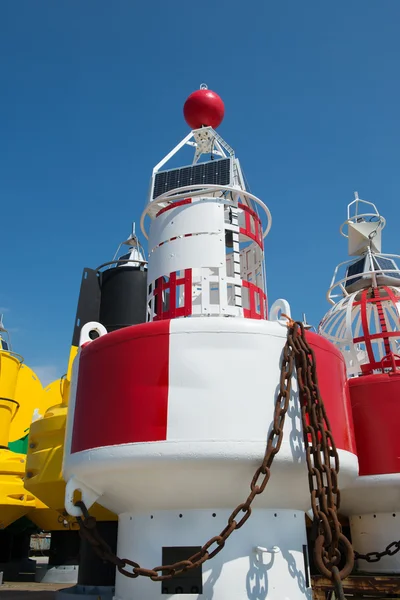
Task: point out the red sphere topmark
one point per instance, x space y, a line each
203 108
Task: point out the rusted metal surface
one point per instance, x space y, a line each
360 586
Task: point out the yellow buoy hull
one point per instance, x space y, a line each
49 519
21 393
15 500
46 448
29 395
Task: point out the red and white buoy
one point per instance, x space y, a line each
364 322
168 420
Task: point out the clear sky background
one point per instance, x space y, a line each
91 99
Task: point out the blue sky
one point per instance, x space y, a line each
91 99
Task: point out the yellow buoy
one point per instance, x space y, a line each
46 447
15 501
31 400
21 399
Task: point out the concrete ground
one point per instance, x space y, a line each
30 591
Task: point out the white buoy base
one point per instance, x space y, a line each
372 533
266 558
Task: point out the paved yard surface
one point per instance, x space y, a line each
29 591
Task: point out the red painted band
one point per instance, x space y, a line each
122 394
392 296
250 214
167 284
250 211
332 380
376 415
174 205
251 312
377 336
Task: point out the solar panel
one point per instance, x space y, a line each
355 269
386 263
217 172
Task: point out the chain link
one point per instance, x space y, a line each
323 468
373 557
337 584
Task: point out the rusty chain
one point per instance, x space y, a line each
314 418
322 475
337 584
372 557
322 462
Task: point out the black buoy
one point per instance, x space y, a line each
115 295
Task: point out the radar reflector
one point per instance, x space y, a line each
363 235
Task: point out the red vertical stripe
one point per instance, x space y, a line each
251 312
188 292
172 296
331 373
122 394
364 321
252 301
